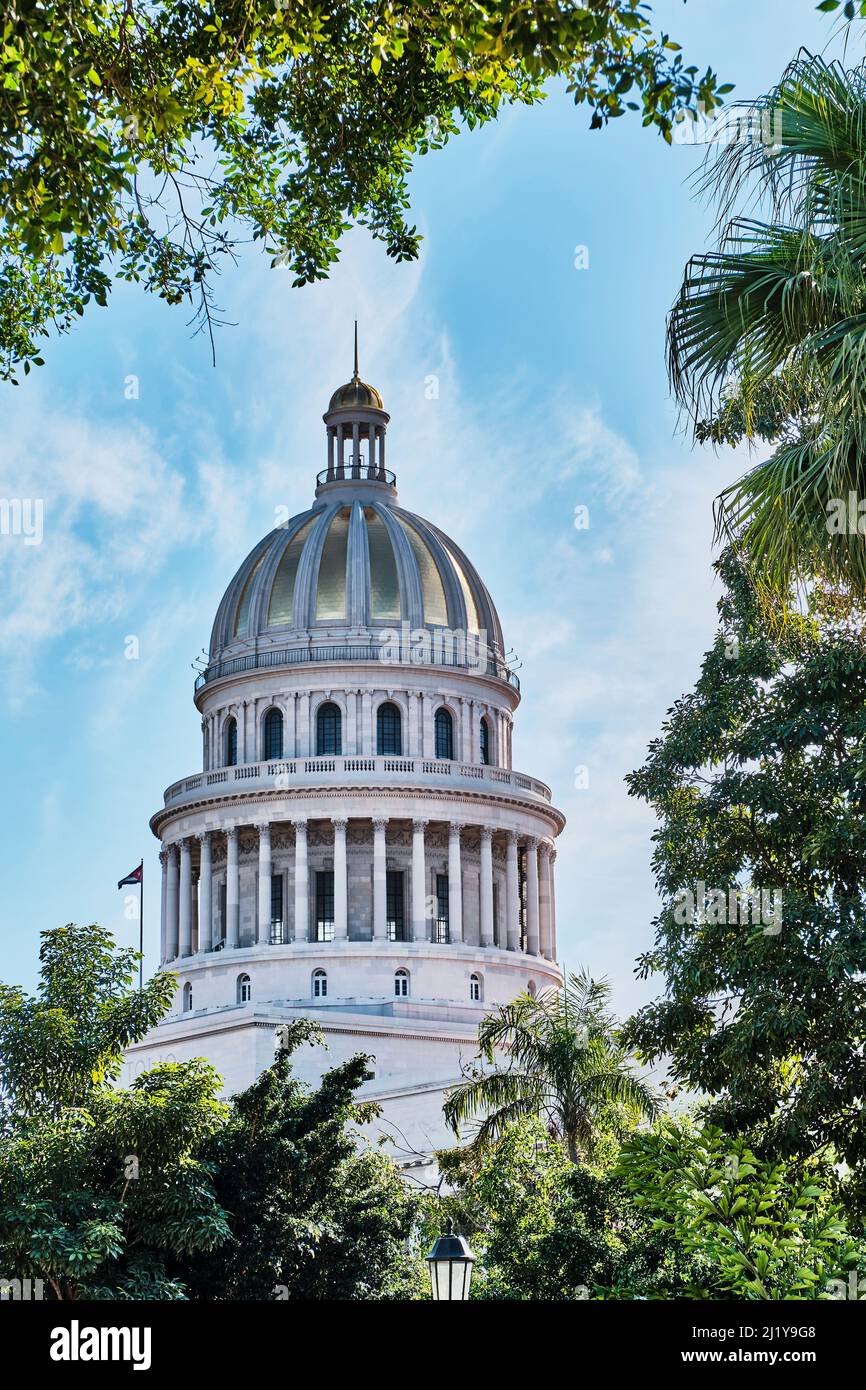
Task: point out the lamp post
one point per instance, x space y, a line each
450 1262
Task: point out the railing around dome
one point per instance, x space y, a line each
283 773
296 656
356 472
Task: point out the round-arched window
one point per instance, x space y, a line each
272 735
401 984
245 989
475 989
485 742
320 984
444 728
389 731
231 743
329 730
187 998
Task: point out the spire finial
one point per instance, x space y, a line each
356 377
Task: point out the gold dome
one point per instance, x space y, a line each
356 393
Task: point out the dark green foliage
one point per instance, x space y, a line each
759 781
311 1216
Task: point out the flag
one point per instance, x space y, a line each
134 877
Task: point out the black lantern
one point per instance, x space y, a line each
450 1263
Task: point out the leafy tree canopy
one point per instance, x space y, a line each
763 1229
759 784
312 1215
142 141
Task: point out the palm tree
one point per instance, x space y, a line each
767 339
555 1057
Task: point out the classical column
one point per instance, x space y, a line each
455 885
380 880
419 882
163 920
350 745
341 887
193 907
185 910
552 905
428 749
289 736
486 886
544 924
413 746
512 893
302 904
467 751
171 905
264 930
532 931
368 733
303 731
205 894
233 901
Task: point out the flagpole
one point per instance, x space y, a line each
141 930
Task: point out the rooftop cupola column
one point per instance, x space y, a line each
264 931
455 885
233 899
532 930
205 894
380 880
341 892
171 904
356 416
302 902
512 893
419 884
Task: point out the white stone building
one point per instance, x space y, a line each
357 847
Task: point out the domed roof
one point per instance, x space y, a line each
354 561
356 393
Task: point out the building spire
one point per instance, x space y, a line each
356 376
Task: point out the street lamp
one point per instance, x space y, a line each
450 1263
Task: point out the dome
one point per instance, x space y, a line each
356 394
355 562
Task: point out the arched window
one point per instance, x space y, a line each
532 989
245 989
389 732
444 726
329 730
320 984
187 998
485 742
231 737
272 741
475 989
401 984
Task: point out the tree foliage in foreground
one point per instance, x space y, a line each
766 338
141 142
311 1215
758 782
546 1228
556 1057
762 1228
162 1190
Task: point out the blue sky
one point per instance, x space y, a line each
552 393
